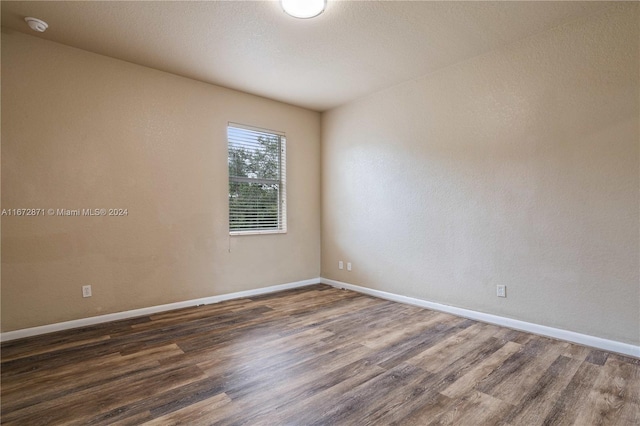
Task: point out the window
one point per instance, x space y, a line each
257 172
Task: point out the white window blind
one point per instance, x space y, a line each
257 180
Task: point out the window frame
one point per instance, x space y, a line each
281 181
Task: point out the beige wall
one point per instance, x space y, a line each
519 167
81 130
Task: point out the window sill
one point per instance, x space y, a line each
240 233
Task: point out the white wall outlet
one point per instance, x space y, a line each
340 264
349 266
501 290
86 291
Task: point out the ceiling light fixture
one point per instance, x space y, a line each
303 8
36 24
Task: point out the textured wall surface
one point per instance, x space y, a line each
519 167
81 130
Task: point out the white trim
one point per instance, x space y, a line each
556 333
272 231
83 322
570 336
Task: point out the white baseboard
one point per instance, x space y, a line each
570 336
556 333
83 322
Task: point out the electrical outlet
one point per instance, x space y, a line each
349 266
340 264
86 291
501 291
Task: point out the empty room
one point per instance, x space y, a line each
320 212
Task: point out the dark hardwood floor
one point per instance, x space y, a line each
312 356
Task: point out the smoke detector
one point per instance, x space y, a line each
36 24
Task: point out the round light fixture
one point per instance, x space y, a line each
303 8
36 24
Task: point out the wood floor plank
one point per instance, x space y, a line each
313 355
249 347
160 402
321 395
475 375
355 324
29 345
509 335
132 420
333 311
263 397
419 342
519 373
570 401
201 413
440 355
611 397
474 408
372 398
576 352
302 347
597 357
379 337
630 413
52 348
543 395
201 310
82 404
426 398
73 381
430 407
87 371
268 381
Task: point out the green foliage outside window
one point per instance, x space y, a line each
254 184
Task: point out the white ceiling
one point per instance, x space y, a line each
354 48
